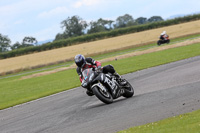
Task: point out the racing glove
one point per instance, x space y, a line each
99 70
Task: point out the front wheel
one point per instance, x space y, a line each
159 42
128 90
102 94
168 41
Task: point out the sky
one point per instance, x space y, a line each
41 18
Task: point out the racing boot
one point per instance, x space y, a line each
89 93
119 79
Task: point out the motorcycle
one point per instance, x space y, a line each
105 86
166 40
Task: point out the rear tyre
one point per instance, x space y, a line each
128 90
102 95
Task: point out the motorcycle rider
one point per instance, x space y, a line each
163 36
83 63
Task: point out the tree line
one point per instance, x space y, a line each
75 26
5 43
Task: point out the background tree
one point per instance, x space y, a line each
29 41
155 19
26 42
73 26
4 43
100 25
16 46
109 24
95 27
141 20
123 21
60 36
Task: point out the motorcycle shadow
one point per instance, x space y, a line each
99 104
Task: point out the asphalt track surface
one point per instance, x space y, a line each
160 92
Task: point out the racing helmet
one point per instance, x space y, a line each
164 32
79 60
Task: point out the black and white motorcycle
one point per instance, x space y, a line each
105 86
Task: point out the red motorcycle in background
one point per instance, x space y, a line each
163 40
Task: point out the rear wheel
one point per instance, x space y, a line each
128 90
102 94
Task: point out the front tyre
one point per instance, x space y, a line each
168 41
159 43
102 94
128 90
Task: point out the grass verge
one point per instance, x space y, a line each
185 123
15 91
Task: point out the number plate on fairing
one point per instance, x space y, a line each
112 84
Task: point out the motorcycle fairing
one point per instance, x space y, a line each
91 77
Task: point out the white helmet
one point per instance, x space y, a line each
164 32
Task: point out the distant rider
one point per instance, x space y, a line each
83 63
164 36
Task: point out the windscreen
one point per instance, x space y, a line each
87 73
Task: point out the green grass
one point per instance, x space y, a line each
14 91
185 123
